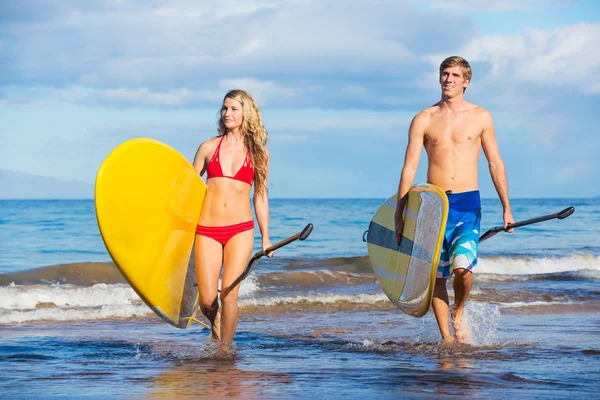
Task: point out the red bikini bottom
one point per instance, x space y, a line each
222 234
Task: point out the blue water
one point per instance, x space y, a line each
38 233
313 320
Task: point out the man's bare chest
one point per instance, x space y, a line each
457 130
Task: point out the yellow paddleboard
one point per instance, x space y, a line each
148 199
407 271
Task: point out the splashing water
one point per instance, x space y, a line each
482 321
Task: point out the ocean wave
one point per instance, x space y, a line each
61 303
31 297
349 264
69 315
89 304
312 279
582 266
81 274
57 302
314 299
583 275
20 304
521 304
351 271
309 273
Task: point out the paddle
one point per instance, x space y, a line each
257 256
560 215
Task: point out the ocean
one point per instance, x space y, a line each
314 322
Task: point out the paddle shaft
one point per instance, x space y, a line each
277 246
560 215
298 236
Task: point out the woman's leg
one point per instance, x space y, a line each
237 253
208 254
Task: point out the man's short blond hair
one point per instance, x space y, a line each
461 62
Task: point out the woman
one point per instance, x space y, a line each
225 232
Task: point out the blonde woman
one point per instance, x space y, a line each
233 160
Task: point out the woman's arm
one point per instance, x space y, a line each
200 158
261 208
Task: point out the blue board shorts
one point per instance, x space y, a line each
461 239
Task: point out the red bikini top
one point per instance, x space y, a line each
213 169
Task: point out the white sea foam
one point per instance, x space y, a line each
537 266
520 304
20 304
369 344
16 297
80 314
248 286
314 299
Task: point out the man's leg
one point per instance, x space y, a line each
440 309
462 283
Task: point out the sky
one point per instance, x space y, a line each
338 83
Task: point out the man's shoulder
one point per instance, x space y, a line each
476 109
426 113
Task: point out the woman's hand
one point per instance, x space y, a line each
266 243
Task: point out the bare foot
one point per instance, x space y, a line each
461 331
448 340
225 352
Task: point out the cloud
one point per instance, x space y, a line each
337 83
116 96
178 52
560 57
264 92
534 82
492 5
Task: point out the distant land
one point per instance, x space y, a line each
20 185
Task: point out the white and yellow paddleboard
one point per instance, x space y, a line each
148 199
407 271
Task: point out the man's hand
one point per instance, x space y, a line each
508 219
399 227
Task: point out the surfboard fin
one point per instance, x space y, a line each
198 322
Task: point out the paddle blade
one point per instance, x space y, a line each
306 232
565 213
488 235
253 263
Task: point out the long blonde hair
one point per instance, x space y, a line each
255 136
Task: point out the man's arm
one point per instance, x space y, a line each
416 134
496 165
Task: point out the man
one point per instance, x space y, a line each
453 131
